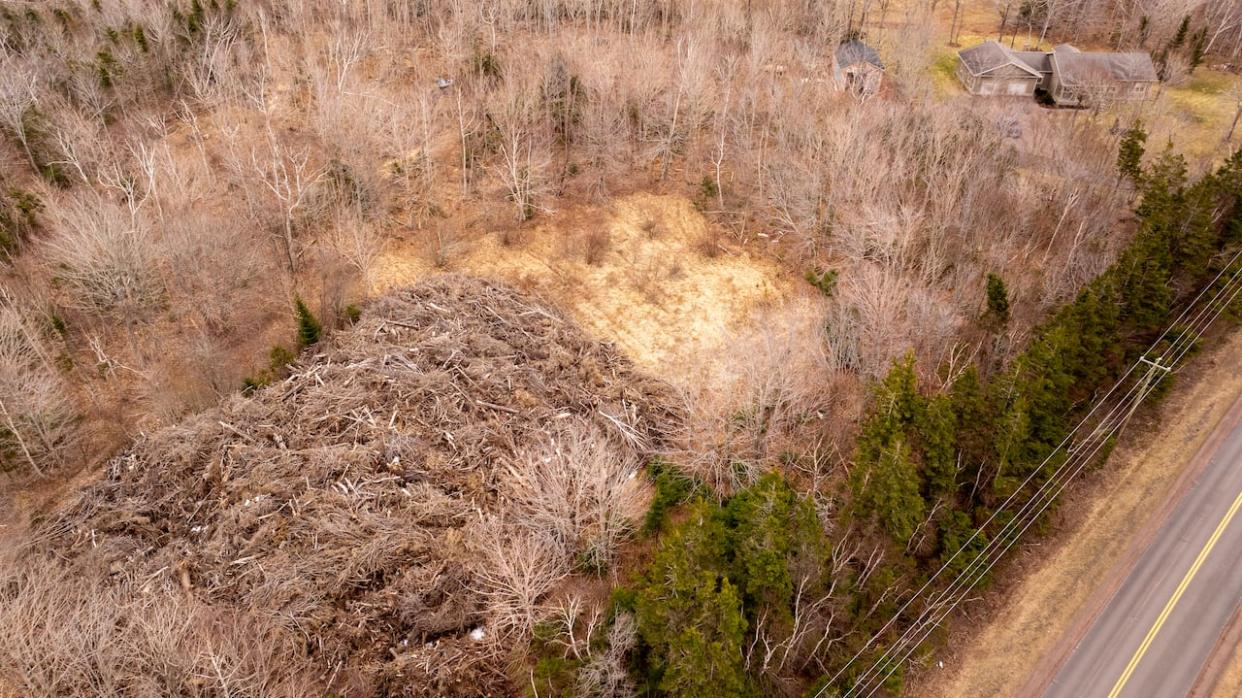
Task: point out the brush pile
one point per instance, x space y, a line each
406 498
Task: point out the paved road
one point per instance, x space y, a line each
1156 633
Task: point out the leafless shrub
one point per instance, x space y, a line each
359 242
596 244
83 147
1176 69
518 566
772 390
710 244
605 674
578 486
18 94
105 255
219 273
448 239
877 316
67 633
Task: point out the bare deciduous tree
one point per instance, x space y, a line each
578 487
289 177
523 146
18 95
517 567
34 406
106 257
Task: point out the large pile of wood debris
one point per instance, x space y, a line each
420 483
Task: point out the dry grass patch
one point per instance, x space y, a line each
1230 683
1199 112
632 273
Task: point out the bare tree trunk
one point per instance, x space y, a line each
957 11
1004 23
17 434
462 135
1234 124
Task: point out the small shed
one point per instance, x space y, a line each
857 69
992 69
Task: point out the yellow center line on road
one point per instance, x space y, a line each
1181 588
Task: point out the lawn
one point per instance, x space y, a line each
1201 110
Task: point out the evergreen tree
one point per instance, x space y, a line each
309 329
998 299
937 431
776 539
956 530
1195 235
1179 37
705 658
974 417
689 614
1198 47
1093 319
1145 269
1130 153
1013 438
887 489
1045 381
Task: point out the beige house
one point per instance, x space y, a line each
1069 77
1080 78
992 69
857 69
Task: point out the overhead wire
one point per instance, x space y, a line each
1046 493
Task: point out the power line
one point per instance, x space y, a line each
930 623
1202 320
1204 317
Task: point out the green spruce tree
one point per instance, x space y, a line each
1130 153
1179 37
998 299
309 329
689 614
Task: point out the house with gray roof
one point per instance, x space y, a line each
993 69
1083 77
1070 77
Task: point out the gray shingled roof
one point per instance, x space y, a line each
1039 60
991 55
852 52
1075 67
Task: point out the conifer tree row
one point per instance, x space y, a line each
1000 430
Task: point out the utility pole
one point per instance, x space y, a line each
1147 383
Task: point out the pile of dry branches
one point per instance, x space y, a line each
425 480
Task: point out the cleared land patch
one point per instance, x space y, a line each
648 273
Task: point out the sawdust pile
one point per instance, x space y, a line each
423 481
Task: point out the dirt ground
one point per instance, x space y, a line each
1230 683
646 272
1034 610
